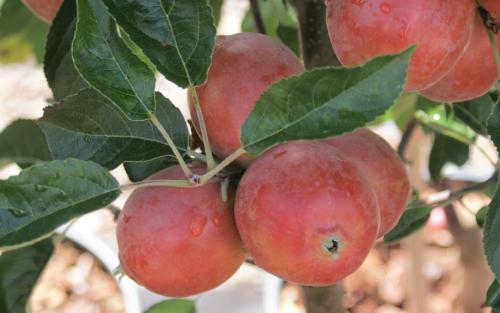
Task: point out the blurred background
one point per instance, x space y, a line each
440 269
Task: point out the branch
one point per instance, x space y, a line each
257 17
405 139
316 47
458 194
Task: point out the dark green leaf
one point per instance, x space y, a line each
173 306
105 62
23 142
177 36
290 37
411 221
491 235
475 112
87 126
481 216
61 74
493 295
139 171
50 194
446 150
19 272
324 102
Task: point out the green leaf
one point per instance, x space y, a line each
19 272
87 126
446 150
139 171
173 306
493 295
280 22
216 9
324 102
107 64
411 221
50 194
177 36
23 142
21 33
290 37
61 74
491 234
481 216
475 112
437 120
274 13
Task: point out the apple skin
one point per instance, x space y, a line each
492 6
473 75
363 29
44 9
382 167
179 242
306 214
244 65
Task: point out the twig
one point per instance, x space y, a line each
208 175
458 194
159 183
405 139
172 145
203 128
257 17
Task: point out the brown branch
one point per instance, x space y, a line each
257 17
316 47
405 139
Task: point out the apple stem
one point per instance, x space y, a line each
172 145
159 183
203 128
211 173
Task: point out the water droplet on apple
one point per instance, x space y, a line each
197 225
217 219
358 2
385 8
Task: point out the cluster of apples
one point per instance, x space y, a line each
306 211
453 61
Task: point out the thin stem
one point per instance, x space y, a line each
405 139
203 128
458 194
158 183
495 50
172 145
257 17
211 173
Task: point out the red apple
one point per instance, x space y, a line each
244 65
44 9
306 213
363 29
382 167
473 75
179 241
